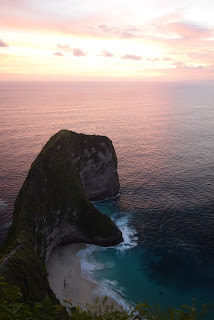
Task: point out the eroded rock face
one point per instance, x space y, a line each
98 169
53 204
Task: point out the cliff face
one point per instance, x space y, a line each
98 168
52 207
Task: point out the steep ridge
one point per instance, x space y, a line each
53 207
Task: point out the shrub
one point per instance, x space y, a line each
11 308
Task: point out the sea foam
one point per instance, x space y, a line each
129 233
90 266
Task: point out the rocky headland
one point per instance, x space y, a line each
53 207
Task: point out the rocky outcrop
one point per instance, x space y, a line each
53 207
98 168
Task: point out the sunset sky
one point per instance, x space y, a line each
96 39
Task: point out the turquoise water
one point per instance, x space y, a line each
133 272
163 136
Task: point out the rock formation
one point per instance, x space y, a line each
53 207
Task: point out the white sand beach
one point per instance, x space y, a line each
64 276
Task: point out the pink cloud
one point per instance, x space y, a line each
131 57
21 4
186 30
126 34
154 59
3 44
123 32
59 54
182 65
104 28
106 54
29 15
203 55
184 41
64 47
78 52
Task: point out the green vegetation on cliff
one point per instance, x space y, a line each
12 308
52 208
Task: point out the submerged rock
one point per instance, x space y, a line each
53 207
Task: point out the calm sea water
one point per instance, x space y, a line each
164 139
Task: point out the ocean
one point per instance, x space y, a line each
163 134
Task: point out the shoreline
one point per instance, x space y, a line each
65 279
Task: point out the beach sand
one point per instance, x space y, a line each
64 276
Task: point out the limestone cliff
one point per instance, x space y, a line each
53 207
98 169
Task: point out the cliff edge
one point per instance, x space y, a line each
53 207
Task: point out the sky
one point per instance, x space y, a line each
104 40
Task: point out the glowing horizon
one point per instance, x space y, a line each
55 40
